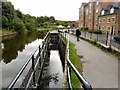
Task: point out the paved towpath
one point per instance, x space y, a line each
99 68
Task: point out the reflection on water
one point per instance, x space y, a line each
55 69
12 45
15 52
53 72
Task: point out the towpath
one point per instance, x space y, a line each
99 68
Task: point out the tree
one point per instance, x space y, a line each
18 25
52 19
30 24
19 13
5 22
8 10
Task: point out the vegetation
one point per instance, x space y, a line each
91 31
75 59
96 32
15 20
5 32
77 63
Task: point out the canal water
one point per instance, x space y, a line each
15 52
53 72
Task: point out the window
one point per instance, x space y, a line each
86 11
102 12
108 20
108 28
90 11
103 20
96 10
96 17
97 3
90 8
90 4
103 28
99 20
112 10
113 19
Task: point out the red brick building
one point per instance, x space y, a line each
109 19
89 13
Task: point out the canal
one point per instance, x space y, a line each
15 51
53 72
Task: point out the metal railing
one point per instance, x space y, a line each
106 39
86 85
37 59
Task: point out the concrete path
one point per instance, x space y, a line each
99 68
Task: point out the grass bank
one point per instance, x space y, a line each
75 59
43 28
5 32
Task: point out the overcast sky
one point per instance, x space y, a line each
60 9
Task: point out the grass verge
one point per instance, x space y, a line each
75 59
5 32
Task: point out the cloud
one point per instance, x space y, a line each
60 9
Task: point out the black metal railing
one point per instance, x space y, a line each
105 39
86 85
37 59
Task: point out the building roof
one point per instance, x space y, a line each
108 9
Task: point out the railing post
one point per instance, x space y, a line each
91 35
111 37
85 33
33 70
66 38
97 36
39 50
107 38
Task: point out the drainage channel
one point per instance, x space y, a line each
52 76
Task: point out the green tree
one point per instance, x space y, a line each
19 13
52 19
18 25
8 10
5 22
30 24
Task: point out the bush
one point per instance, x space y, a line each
98 32
86 28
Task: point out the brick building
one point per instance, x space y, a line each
109 19
89 13
82 15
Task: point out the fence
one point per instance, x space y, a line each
70 67
37 60
105 39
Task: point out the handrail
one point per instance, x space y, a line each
24 66
19 73
86 85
